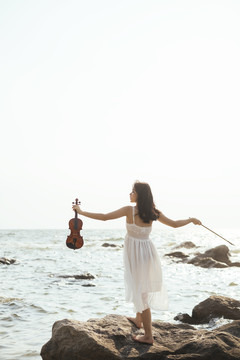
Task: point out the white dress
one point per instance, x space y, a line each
143 274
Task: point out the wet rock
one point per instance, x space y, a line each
109 245
235 264
213 307
186 244
219 253
232 328
86 276
218 257
110 338
112 245
7 261
206 262
185 318
217 306
177 254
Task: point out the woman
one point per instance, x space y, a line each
143 274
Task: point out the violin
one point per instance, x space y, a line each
75 240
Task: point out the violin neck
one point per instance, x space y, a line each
75 222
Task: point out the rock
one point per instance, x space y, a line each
206 262
213 307
217 257
109 245
232 328
177 254
110 338
217 306
185 318
235 264
86 276
219 253
186 244
7 261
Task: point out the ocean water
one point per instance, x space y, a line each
40 288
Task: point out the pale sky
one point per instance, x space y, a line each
96 94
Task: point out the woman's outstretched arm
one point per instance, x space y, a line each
177 223
124 211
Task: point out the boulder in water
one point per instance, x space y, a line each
213 307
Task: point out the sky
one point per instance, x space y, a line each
98 94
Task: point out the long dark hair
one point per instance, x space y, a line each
146 207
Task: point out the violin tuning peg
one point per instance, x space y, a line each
76 202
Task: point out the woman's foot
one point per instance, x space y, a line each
143 339
136 322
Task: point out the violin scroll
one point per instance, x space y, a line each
77 202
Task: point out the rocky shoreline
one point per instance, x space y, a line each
110 338
218 257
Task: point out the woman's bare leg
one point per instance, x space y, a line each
137 320
147 338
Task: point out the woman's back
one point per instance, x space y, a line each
137 228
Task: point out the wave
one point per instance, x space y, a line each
214 323
235 251
7 234
20 304
5 300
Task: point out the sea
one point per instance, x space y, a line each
43 285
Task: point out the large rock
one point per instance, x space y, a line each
110 338
220 254
213 307
217 306
217 257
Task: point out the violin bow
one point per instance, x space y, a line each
217 234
